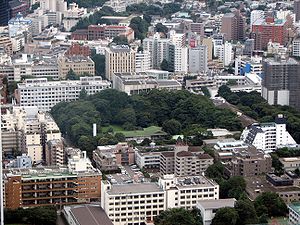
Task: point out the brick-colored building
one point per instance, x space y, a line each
78 49
269 29
76 183
80 34
233 26
96 32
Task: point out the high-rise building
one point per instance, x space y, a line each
4 12
198 59
256 15
142 61
269 29
119 59
233 26
281 82
297 9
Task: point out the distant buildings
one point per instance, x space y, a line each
268 136
281 82
45 94
297 9
134 83
198 58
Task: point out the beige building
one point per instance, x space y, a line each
290 163
209 43
6 44
184 161
54 152
119 59
79 64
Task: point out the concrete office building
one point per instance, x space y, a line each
76 183
281 82
147 159
79 64
134 83
198 58
290 163
294 208
45 94
268 136
6 44
141 202
256 15
119 59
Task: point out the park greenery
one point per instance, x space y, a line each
253 105
179 216
31 216
90 4
175 111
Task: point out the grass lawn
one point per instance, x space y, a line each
145 132
116 128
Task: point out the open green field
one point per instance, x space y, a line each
149 131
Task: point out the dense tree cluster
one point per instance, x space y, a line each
151 9
37 215
140 27
176 111
179 216
253 105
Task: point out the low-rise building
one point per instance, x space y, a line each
141 202
45 94
79 64
110 157
290 163
208 208
79 182
134 83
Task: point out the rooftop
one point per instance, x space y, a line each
217 203
134 188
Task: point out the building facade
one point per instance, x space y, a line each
45 94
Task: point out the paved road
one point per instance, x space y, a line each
245 120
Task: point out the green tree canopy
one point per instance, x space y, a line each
172 126
178 216
271 204
246 212
226 215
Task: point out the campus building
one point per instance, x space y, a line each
46 94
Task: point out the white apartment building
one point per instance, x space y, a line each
198 59
296 47
256 15
34 128
268 136
140 202
147 159
142 61
179 59
119 59
45 94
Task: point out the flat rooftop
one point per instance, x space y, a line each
90 215
134 188
217 203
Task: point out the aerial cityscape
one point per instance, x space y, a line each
142 112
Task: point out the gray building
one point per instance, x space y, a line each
281 82
198 59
